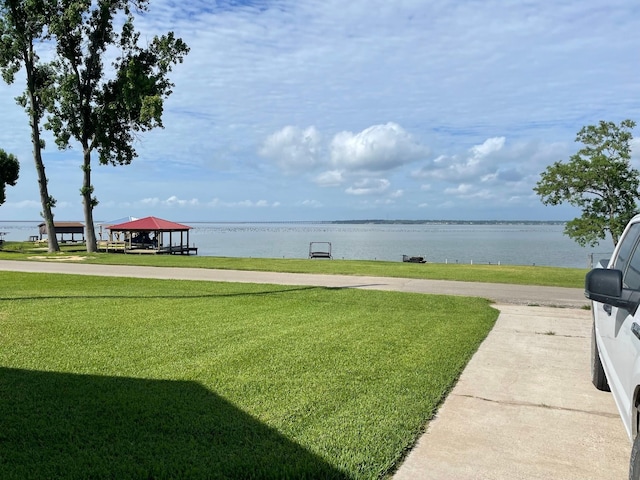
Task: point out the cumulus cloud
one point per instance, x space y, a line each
349 158
479 161
378 148
331 178
493 161
369 186
293 149
490 145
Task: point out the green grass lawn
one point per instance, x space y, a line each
137 379
515 274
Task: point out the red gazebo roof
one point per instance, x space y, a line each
150 224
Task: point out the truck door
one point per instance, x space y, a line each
619 329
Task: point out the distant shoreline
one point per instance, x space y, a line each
350 222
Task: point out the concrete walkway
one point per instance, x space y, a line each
524 408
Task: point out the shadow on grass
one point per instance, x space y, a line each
179 296
68 426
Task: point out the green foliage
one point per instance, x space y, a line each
23 24
138 378
104 114
9 171
598 179
133 101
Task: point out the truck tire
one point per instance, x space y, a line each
598 378
634 463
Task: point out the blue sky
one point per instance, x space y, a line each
331 110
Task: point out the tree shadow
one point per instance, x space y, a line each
69 426
277 291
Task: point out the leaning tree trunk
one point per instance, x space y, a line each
45 199
88 202
35 115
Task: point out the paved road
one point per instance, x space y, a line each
500 293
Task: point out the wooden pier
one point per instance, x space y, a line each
125 247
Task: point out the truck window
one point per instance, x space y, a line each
628 259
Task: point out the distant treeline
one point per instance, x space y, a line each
451 222
390 222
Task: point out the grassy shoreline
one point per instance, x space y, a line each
510 274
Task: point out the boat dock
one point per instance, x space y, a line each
125 247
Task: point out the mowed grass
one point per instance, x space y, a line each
513 274
155 379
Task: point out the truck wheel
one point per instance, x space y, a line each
634 464
598 377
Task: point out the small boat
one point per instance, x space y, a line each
407 258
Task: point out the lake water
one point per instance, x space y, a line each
508 243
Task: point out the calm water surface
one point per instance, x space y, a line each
509 244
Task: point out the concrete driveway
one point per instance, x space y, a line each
524 407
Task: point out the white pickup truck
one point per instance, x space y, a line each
615 345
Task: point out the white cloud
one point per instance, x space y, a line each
369 186
493 161
293 149
490 146
378 148
332 178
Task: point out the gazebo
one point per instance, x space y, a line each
62 229
148 235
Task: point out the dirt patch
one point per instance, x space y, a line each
64 258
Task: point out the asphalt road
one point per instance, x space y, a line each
499 293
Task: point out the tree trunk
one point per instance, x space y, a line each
34 120
87 201
47 214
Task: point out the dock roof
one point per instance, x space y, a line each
149 224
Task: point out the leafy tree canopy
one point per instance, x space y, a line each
104 107
23 28
598 179
9 170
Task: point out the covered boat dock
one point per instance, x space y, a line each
148 235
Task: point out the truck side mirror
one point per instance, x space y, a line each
604 285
